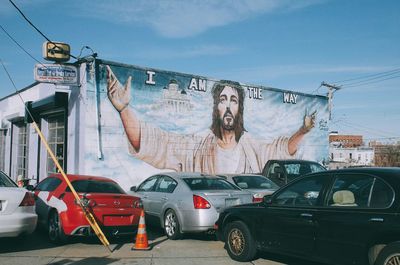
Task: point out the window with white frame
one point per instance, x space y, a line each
21 143
56 141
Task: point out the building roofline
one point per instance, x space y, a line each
20 90
102 61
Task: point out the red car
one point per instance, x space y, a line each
115 211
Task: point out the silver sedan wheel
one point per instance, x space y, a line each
171 225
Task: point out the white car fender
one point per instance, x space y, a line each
53 201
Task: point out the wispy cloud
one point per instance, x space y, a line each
184 53
179 18
278 71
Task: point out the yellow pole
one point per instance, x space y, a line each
88 214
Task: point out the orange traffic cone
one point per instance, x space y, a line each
141 242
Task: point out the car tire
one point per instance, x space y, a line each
55 230
171 225
239 242
389 255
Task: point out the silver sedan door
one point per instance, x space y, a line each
162 196
146 192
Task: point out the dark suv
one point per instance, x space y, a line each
282 172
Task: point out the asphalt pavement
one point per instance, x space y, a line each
192 249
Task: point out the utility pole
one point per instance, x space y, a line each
331 90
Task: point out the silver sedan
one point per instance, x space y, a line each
256 184
188 202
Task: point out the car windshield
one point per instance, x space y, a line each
95 186
297 169
5 181
209 184
254 182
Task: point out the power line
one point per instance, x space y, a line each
367 76
374 78
30 23
366 129
20 46
16 90
372 82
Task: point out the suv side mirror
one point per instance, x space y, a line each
133 188
267 199
30 187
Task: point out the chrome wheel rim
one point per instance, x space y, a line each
393 259
170 224
236 241
54 227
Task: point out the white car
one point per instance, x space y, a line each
256 184
17 209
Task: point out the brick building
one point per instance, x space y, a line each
346 141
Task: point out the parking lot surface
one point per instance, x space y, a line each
192 249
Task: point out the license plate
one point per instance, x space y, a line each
231 202
117 220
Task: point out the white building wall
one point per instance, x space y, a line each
76 125
362 156
12 108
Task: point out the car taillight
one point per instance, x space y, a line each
200 202
257 198
28 200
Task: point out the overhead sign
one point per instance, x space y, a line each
56 73
56 51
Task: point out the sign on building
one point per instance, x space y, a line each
56 73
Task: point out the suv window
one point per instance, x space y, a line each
273 170
254 182
316 168
303 193
48 184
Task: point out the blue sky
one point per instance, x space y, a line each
285 44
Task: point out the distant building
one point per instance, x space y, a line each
386 155
347 151
346 140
